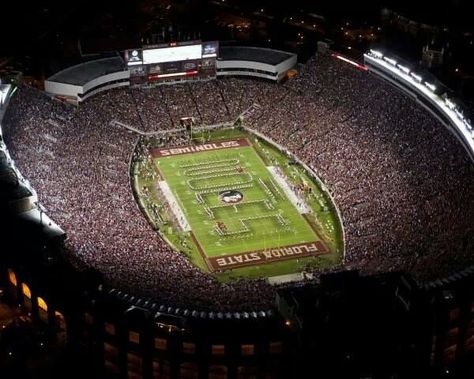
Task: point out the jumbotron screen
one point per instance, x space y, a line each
172 54
171 62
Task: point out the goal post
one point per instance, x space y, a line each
189 123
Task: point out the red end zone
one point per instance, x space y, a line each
228 262
159 153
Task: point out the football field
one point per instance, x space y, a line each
238 211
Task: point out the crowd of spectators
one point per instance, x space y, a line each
401 181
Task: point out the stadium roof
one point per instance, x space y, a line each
257 54
85 72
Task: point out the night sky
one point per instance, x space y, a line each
44 36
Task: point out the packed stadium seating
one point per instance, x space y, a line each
401 181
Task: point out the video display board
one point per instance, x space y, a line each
133 57
172 54
172 61
210 49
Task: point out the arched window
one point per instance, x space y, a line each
161 369
42 304
61 327
111 358
217 372
134 365
26 296
42 309
26 290
12 277
110 328
188 370
247 372
134 337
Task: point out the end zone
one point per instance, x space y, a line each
160 153
265 256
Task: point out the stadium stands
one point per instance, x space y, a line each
401 181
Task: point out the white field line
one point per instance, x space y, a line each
298 202
175 208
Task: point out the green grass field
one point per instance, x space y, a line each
261 234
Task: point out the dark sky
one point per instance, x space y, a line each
445 10
449 11
455 13
24 25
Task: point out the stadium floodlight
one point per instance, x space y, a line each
418 78
450 104
406 70
376 53
459 114
432 87
390 60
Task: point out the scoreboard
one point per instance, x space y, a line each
172 62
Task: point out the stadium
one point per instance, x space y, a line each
210 196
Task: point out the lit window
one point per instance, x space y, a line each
26 290
218 349
188 370
189 348
12 277
134 337
110 328
248 349
275 347
161 344
42 304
